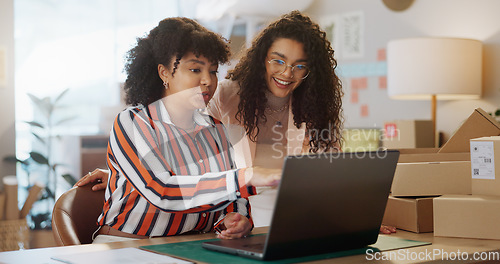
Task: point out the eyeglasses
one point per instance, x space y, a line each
279 66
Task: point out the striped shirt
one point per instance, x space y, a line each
164 181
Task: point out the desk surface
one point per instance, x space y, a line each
440 248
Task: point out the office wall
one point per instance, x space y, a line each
7 123
452 18
443 18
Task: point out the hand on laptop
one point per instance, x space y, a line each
98 176
258 176
237 226
387 229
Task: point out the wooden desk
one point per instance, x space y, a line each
439 244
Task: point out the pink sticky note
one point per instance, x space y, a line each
381 55
382 82
363 82
364 110
354 83
354 96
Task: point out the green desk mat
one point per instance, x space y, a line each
194 251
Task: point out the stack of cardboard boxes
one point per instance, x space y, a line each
476 215
423 174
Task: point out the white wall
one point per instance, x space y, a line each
476 19
7 123
452 18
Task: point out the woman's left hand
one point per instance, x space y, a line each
99 177
387 229
237 226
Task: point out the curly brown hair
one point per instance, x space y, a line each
172 38
316 102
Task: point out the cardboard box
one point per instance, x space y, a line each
431 178
430 155
469 216
479 124
408 134
411 214
431 172
485 165
457 148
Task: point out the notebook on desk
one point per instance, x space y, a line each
325 203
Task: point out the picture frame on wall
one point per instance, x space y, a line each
346 33
352 33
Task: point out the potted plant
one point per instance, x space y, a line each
40 160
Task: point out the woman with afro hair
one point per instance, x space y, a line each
171 168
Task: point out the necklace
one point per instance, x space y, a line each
280 118
276 108
274 111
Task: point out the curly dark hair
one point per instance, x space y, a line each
317 100
172 38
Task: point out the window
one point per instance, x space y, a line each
79 46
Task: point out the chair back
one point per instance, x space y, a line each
74 218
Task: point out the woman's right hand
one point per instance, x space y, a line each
98 176
259 177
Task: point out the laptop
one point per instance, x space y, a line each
326 202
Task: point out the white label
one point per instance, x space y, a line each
482 160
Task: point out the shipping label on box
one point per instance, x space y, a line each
482 159
485 165
469 216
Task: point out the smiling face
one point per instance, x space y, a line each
282 83
193 83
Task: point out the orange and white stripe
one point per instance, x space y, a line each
164 181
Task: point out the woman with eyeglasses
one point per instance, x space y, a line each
282 98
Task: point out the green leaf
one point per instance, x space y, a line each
41 104
69 178
59 164
10 159
497 113
48 105
14 159
61 95
38 137
50 193
39 158
34 123
64 120
35 99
